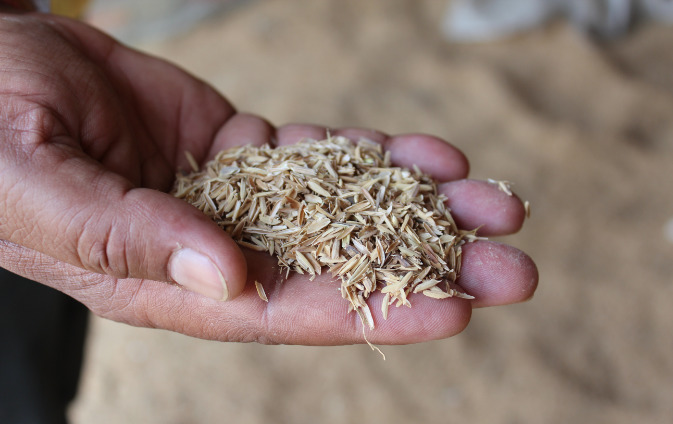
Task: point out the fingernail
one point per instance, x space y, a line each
197 273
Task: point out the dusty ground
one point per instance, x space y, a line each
585 131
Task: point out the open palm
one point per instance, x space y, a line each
92 135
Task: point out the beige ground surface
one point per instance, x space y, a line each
585 131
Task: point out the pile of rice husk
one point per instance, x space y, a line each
340 205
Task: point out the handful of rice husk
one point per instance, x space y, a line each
336 204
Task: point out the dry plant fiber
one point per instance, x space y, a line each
336 204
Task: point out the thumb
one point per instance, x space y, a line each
79 213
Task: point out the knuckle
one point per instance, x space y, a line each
27 125
104 250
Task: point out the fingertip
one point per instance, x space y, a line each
232 265
227 256
197 272
356 134
183 245
433 155
478 204
497 274
240 130
293 133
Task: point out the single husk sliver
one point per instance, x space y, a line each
339 205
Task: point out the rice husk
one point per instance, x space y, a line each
338 205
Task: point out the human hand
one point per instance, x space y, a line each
92 134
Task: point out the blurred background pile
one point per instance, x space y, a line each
583 127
